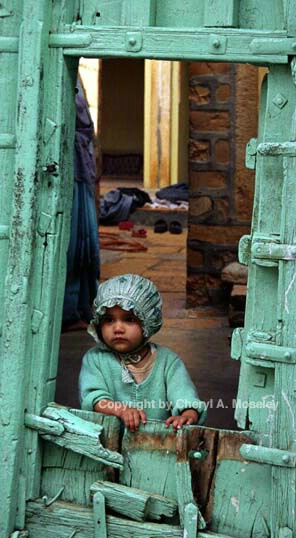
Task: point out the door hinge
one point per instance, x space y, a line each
271 456
237 344
269 149
270 352
272 251
244 249
273 149
37 318
265 251
251 152
266 352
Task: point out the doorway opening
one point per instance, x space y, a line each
186 267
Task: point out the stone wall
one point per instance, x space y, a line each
223 117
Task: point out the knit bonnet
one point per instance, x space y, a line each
130 292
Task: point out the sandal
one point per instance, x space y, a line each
141 232
125 225
175 227
160 226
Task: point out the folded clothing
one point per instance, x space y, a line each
115 207
180 191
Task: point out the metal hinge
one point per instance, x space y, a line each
269 149
265 251
271 456
251 152
37 317
264 352
262 251
270 352
237 344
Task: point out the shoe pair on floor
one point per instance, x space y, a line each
173 227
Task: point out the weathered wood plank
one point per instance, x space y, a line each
283 495
43 425
134 503
76 472
149 459
23 83
99 515
220 13
138 13
60 519
241 499
185 496
80 436
227 45
72 423
188 508
291 18
191 520
49 260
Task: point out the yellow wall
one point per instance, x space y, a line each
122 106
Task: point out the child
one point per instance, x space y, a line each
126 375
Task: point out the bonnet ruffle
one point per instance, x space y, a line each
130 292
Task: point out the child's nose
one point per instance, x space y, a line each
119 326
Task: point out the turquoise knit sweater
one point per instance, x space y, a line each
166 391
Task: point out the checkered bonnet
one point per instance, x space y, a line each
130 292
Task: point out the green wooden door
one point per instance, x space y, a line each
40 45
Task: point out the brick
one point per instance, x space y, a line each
208 68
196 291
222 208
219 258
200 94
222 151
235 273
199 150
245 128
202 205
223 93
202 120
244 200
216 261
206 179
195 258
219 235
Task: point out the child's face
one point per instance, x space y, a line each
121 330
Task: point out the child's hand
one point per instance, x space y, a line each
189 416
131 416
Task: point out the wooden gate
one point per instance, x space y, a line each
40 46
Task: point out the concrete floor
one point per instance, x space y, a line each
200 336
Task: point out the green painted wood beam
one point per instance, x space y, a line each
204 44
7 141
63 518
221 13
16 308
9 44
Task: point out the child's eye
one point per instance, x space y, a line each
131 319
107 319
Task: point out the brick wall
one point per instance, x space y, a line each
223 117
